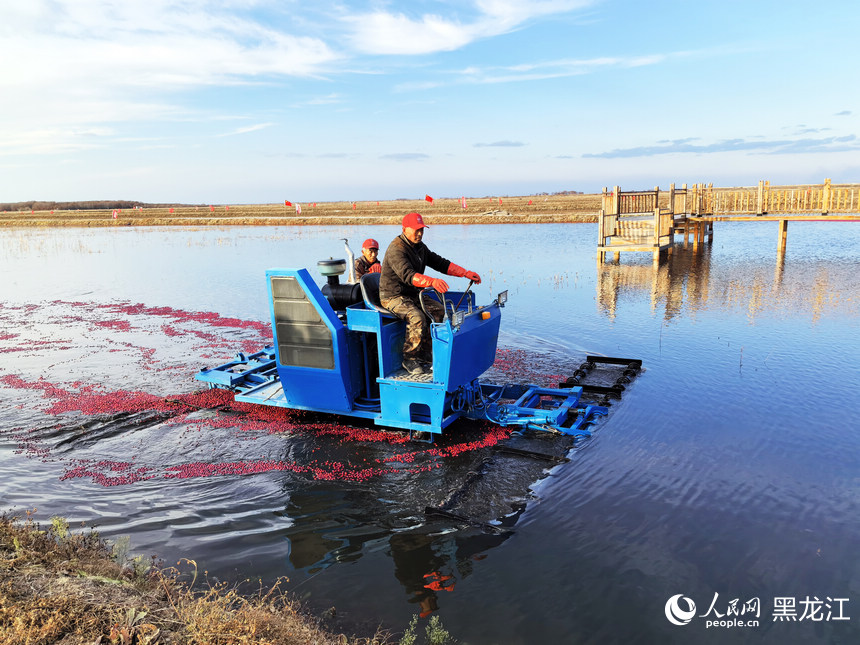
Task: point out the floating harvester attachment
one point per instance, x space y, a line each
337 350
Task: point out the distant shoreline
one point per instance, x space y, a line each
530 209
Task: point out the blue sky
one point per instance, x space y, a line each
256 101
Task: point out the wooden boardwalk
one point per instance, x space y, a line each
647 221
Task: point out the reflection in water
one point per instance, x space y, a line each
487 490
687 282
684 275
427 565
335 526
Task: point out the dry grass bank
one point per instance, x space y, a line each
522 210
74 588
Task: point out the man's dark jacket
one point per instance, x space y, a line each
362 266
402 260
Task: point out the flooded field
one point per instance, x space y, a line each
728 475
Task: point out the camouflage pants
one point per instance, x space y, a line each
417 343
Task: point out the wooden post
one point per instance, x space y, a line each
783 233
600 218
600 239
779 271
672 200
760 204
825 198
657 229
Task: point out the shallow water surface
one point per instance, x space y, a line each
728 473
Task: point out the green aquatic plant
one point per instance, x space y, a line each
119 549
435 633
409 637
59 528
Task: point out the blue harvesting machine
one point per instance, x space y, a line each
337 350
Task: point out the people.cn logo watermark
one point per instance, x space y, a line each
729 614
678 615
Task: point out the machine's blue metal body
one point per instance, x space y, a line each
349 362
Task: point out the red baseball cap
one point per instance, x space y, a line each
370 243
414 221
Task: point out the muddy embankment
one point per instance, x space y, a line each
482 210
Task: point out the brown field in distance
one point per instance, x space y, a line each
486 210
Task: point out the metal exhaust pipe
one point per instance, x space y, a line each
351 260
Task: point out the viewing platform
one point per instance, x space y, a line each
647 221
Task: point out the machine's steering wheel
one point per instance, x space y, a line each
442 300
445 302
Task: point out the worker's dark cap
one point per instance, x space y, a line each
414 221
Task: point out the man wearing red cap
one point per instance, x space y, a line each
402 279
368 262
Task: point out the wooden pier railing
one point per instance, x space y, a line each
647 220
763 199
637 221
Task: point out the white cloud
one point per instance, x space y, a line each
384 33
537 71
69 64
50 140
248 128
515 12
388 33
129 43
328 99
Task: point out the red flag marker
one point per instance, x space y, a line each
287 203
211 209
427 198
